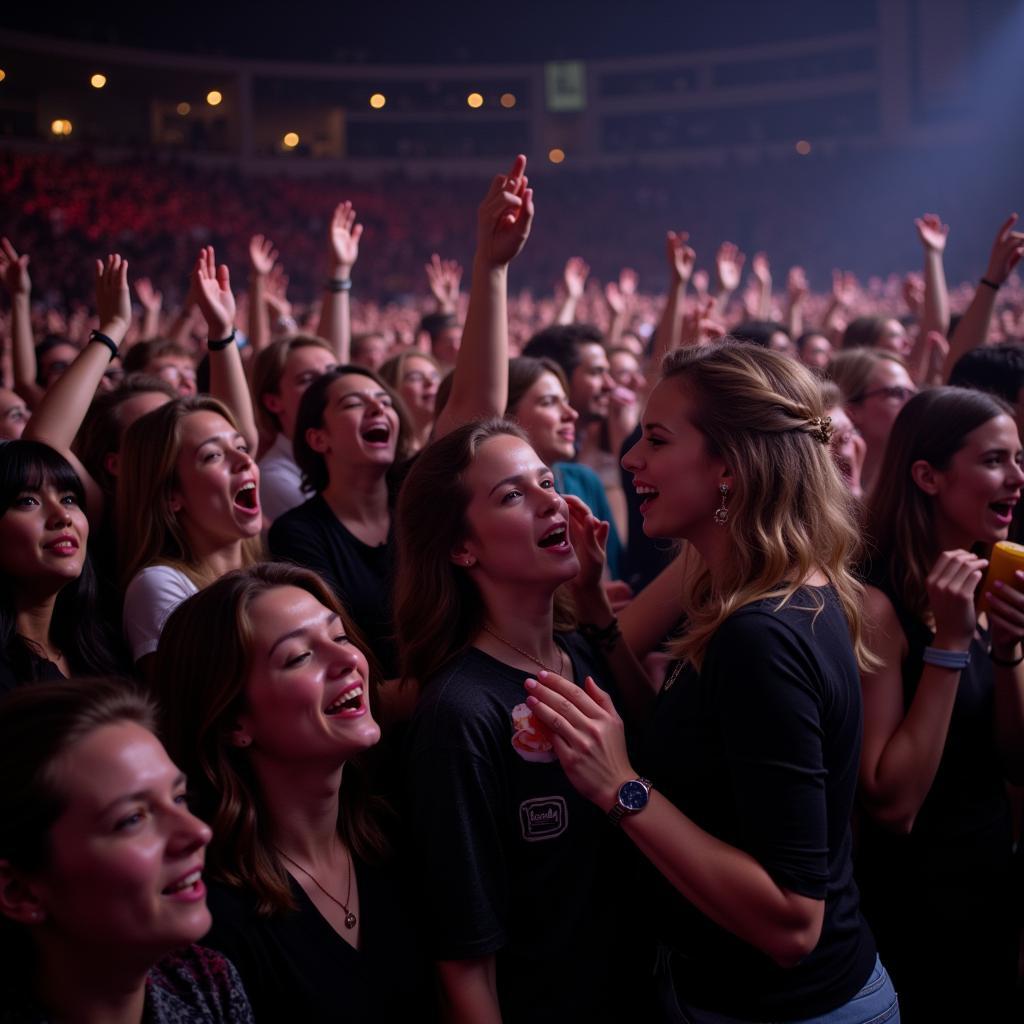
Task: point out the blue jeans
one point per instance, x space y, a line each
875 1003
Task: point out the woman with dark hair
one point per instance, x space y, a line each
511 861
101 864
267 703
49 626
352 434
879 332
944 709
749 759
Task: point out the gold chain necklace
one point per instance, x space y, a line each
526 654
350 918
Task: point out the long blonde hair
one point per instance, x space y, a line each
789 513
148 530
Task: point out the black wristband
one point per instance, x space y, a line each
1003 663
603 637
337 284
104 340
990 284
218 346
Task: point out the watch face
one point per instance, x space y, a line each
633 795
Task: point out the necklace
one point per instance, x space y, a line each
350 918
526 654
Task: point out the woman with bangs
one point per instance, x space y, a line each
749 757
944 709
50 628
353 436
415 377
267 699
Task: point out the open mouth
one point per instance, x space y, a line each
1003 509
646 495
190 882
554 538
245 497
350 701
63 546
379 435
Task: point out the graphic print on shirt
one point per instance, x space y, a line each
543 817
529 738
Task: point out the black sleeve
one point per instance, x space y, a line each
462 872
299 539
766 686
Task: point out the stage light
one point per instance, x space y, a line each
556 155
290 140
213 97
474 100
508 100
98 81
61 126
803 147
3 74
184 109
377 100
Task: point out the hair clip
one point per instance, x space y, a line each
820 428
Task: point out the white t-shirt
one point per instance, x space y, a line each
152 595
280 481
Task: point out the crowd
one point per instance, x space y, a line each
500 655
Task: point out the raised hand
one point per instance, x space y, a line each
844 288
761 269
728 267
276 292
444 278
698 327
797 288
1007 250
951 585
932 232
212 287
628 279
681 258
14 269
575 276
344 235
262 255
151 300
913 293
701 282
113 299
505 217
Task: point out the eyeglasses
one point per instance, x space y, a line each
897 391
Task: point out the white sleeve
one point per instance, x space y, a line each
152 595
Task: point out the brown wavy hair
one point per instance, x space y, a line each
933 427
438 608
202 665
268 369
789 513
149 532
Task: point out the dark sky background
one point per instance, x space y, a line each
434 31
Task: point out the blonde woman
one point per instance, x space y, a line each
748 767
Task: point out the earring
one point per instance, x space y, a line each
722 512
243 741
468 561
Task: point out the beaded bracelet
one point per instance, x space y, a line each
104 340
218 346
946 659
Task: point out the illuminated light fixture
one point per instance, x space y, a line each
98 81
3 74
290 140
61 126
508 100
213 97
556 155
474 100
377 100
184 109
803 147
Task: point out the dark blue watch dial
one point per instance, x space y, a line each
633 795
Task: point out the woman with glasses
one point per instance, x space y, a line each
875 386
944 710
415 376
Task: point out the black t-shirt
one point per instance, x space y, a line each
296 967
361 575
761 750
19 664
512 860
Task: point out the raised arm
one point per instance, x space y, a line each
444 278
152 302
728 268
762 271
574 279
621 299
480 381
668 334
262 258
972 331
796 296
934 315
212 285
336 312
14 270
62 409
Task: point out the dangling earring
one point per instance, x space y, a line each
722 512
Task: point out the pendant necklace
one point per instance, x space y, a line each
526 654
350 918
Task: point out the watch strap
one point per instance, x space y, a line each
620 810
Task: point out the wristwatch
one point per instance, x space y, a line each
632 799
